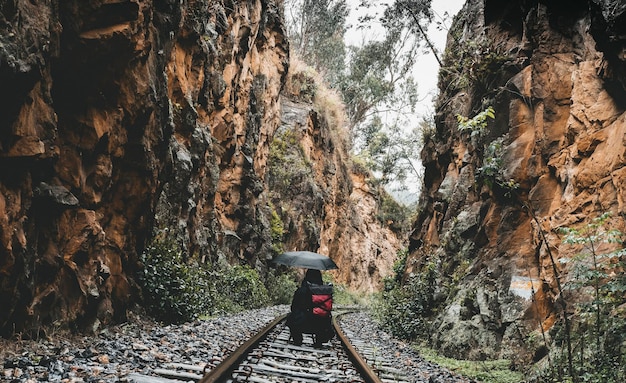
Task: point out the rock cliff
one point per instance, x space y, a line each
324 202
120 117
553 156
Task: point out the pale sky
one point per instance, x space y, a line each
425 72
426 67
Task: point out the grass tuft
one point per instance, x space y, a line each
491 371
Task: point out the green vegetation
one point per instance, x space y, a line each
403 308
472 64
172 289
492 170
302 81
285 149
477 124
316 29
237 288
280 287
392 214
368 82
282 144
492 371
596 289
391 152
176 288
277 229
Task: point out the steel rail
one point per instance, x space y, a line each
224 370
359 362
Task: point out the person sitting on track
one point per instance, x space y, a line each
311 310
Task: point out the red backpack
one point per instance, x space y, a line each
322 298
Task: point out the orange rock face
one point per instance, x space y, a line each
555 78
121 116
324 205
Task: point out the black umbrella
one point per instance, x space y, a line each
306 259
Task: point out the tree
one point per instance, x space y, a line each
599 284
391 153
413 15
378 78
373 78
380 93
316 30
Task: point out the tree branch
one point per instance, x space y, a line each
430 44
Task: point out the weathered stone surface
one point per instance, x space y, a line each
555 77
324 205
119 116
55 194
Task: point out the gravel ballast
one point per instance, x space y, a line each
140 346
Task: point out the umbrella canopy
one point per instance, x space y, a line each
306 259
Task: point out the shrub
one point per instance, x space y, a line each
173 291
492 171
596 278
285 148
280 288
177 290
473 63
277 229
588 345
477 124
403 309
242 288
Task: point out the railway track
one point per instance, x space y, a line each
269 356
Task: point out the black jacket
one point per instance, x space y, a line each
302 299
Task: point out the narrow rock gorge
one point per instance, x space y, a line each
496 195
120 117
325 202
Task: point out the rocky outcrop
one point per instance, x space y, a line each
324 203
120 116
553 157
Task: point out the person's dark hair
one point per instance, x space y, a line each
313 276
